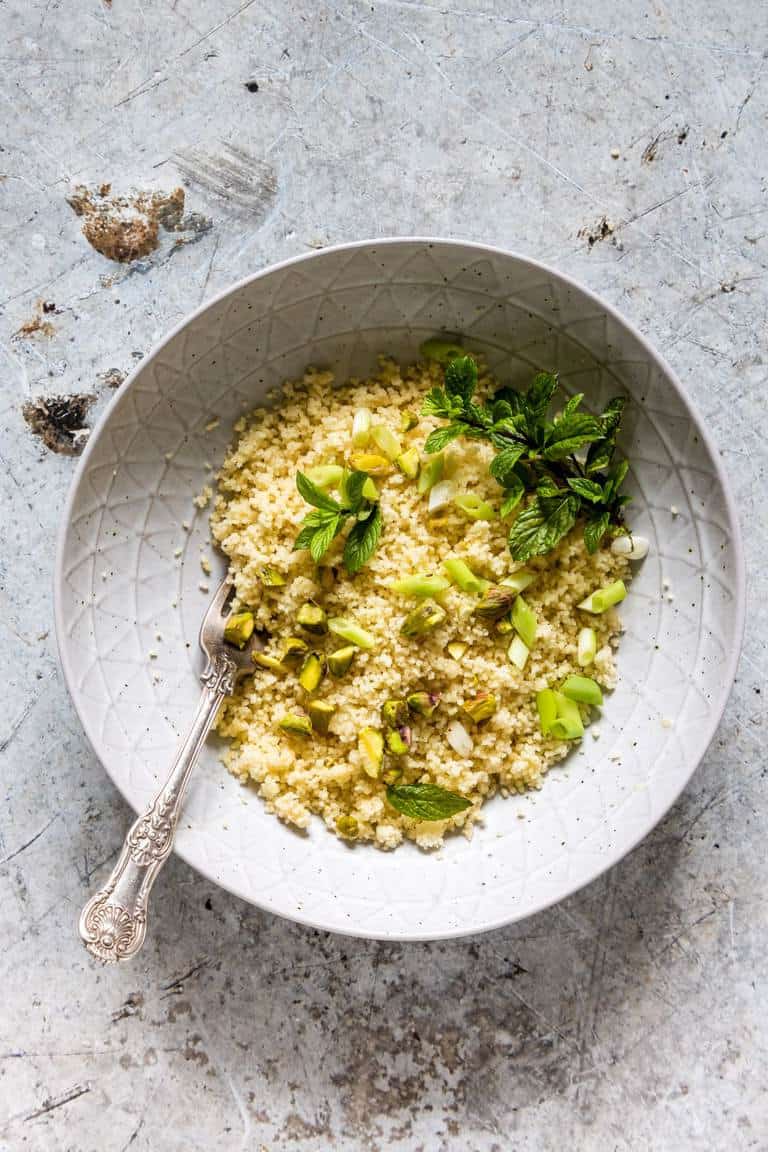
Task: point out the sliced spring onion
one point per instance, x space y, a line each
370 491
326 475
431 473
459 739
631 546
441 495
583 689
546 705
361 428
518 653
604 598
524 621
351 632
568 725
587 646
474 507
518 581
386 440
459 573
408 463
442 350
421 586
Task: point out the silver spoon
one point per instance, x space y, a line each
113 923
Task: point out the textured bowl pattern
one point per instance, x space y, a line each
120 584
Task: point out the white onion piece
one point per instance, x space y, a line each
633 547
441 495
459 739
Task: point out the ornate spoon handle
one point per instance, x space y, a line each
114 921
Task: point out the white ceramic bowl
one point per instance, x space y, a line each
119 583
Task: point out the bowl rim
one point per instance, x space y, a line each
736 539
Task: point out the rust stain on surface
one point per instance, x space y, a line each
127 228
59 421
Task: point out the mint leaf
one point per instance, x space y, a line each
305 537
611 417
324 537
461 378
616 479
314 495
362 541
426 801
438 439
513 494
353 490
595 529
543 524
502 466
570 433
573 404
438 403
539 395
586 488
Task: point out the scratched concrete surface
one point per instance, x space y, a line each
623 141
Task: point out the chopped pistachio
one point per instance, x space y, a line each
326 475
481 707
423 619
423 703
321 713
408 463
294 651
495 603
346 826
504 626
340 660
386 441
441 349
347 630
473 506
271 578
295 724
361 428
370 742
392 775
431 473
394 713
239 628
409 421
421 586
371 463
268 662
395 743
312 618
311 673
456 650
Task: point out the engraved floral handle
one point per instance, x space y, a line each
114 921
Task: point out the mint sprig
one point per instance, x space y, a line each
426 801
328 517
564 465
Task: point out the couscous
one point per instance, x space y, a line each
395 700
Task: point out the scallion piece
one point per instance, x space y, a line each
408 463
604 598
361 428
441 495
431 473
587 646
351 632
518 653
386 440
421 586
459 573
546 705
583 690
568 725
370 491
326 475
524 621
518 581
473 506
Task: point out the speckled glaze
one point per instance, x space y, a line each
128 608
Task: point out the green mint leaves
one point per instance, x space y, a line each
426 801
564 465
323 524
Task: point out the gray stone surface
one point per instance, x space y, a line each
634 1015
